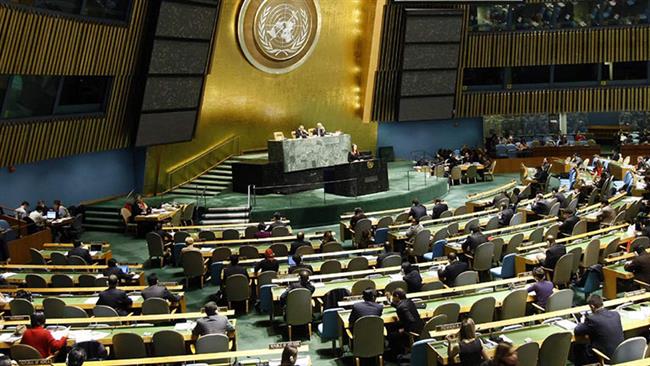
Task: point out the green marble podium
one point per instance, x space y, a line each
310 153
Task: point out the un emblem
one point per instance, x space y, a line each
277 36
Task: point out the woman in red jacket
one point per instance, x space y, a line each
41 338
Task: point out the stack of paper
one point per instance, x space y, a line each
566 324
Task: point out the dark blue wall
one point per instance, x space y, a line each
430 136
74 179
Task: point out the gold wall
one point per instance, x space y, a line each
36 43
240 100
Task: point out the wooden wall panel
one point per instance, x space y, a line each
576 46
603 99
36 43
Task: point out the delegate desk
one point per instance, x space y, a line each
80 290
104 335
310 153
88 302
530 257
633 318
322 288
19 278
249 357
635 150
479 201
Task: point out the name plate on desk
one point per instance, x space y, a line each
46 361
281 345
634 293
449 326
353 298
525 274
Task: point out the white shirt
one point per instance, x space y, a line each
38 218
21 213
62 212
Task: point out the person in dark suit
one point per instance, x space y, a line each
438 208
365 308
113 270
570 220
275 222
297 259
505 215
408 321
233 268
80 251
499 197
320 130
301 133
475 239
269 263
354 154
553 253
358 215
299 242
156 290
303 282
412 277
559 196
640 265
604 329
213 323
452 270
417 210
540 206
516 196
115 298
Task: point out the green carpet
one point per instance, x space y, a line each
254 331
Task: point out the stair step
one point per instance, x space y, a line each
228 209
223 221
103 227
93 213
209 182
106 220
220 170
232 215
102 209
201 187
194 193
217 177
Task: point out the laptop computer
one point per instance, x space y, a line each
124 268
51 215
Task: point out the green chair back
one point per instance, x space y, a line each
560 300
76 260
394 285
577 257
432 323
461 210
212 343
128 345
452 229
514 242
237 288
514 304
440 234
451 310
279 249
21 307
498 250
482 311
70 311
155 245
168 343
35 281
384 222
358 264
207 235
391 261
493 223
612 247
469 225
192 264
104 311
230 234
249 252
62 280
631 349
563 269
332 246
20 352
527 353
591 254
249 232
221 254
36 256
180 236
58 259
466 278
330 266
368 337
155 305
445 214
299 309
266 278
53 308
86 280
483 256
555 349
359 286
579 228
304 250
537 235
553 230
421 243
